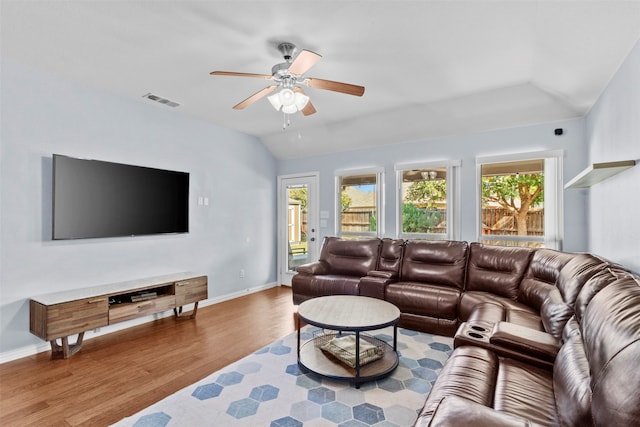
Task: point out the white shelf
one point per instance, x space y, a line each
598 172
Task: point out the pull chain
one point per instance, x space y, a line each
286 122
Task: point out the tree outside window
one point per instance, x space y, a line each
513 202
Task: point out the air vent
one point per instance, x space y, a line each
161 100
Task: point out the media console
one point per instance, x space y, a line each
62 314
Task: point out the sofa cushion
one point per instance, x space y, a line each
484 306
574 275
350 257
611 333
424 299
541 276
435 262
571 379
307 287
593 285
391 256
428 324
470 372
496 269
455 411
525 391
555 313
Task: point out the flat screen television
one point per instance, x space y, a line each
93 198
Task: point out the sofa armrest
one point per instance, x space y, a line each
454 411
313 268
374 285
525 340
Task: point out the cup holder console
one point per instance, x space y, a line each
477 332
475 335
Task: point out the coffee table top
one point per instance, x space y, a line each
348 312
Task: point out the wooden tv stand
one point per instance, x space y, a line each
62 314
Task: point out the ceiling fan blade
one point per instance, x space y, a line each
234 74
253 98
347 88
308 109
303 62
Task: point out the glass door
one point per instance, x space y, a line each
297 224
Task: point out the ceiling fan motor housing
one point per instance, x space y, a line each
287 49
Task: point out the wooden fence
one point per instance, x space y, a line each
496 221
358 220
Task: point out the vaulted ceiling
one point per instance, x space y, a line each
430 68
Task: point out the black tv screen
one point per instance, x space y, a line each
93 198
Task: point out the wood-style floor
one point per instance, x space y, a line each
118 374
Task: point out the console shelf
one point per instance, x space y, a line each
62 314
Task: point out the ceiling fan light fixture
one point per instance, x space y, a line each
301 100
287 97
289 101
289 109
275 101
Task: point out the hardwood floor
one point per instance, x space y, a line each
118 374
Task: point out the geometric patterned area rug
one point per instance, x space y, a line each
268 388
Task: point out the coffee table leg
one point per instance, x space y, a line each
298 321
395 337
357 359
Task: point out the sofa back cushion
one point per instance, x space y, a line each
555 313
559 305
541 276
497 269
611 333
595 284
391 256
574 275
435 262
350 257
572 380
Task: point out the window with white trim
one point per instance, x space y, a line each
520 200
428 204
359 203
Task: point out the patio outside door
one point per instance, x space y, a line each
297 223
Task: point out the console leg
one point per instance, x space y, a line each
177 312
64 350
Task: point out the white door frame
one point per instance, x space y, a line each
313 202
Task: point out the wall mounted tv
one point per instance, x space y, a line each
93 198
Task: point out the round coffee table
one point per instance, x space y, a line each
342 315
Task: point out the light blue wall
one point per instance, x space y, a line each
465 148
43 114
613 133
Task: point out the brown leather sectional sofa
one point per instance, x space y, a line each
541 337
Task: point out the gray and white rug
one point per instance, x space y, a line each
267 388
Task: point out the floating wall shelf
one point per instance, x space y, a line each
598 172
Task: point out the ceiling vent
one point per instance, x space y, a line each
161 100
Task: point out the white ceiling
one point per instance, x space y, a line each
430 68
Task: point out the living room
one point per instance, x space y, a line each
46 112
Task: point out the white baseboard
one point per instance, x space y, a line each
30 350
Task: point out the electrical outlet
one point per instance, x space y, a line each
242 273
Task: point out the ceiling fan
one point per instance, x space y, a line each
288 76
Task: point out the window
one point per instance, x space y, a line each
427 194
358 203
520 200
